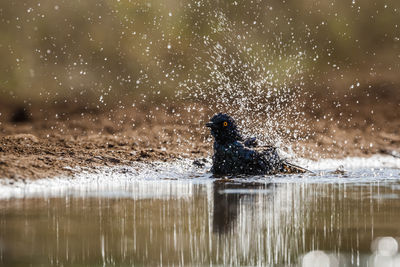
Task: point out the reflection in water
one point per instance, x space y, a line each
227 196
291 223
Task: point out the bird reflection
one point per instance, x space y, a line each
227 196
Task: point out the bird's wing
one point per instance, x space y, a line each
244 153
257 160
271 153
266 158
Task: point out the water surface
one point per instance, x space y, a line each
174 214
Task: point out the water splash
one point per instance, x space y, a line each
259 84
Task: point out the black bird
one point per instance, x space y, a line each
234 155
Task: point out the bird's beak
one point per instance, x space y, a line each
209 124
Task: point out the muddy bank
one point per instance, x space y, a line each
38 143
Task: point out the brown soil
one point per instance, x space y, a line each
40 143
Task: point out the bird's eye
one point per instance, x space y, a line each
225 123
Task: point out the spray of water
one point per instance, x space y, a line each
259 84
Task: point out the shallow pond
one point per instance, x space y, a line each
174 214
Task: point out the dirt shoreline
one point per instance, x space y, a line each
48 143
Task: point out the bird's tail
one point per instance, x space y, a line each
291 168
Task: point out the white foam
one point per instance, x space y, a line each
352 163
139 180
160 179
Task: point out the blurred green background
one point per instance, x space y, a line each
96 52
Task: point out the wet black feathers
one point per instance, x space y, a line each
234 155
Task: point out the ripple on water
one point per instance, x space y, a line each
176 214
171 177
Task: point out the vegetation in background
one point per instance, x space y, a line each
95 52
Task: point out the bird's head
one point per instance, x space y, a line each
224 129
